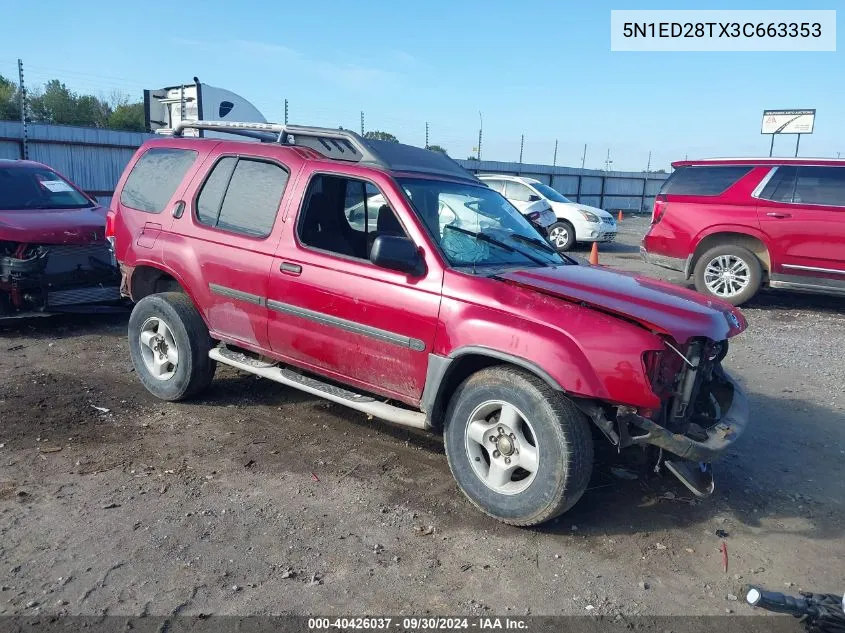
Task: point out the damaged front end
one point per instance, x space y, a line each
703 412
56 277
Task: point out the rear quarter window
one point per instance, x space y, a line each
704 181
155 178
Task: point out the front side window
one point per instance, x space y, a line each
242 195
475 226
38 188
155 178
345 215
552 194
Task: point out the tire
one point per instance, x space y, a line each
185 332
562 446
562 235
736 290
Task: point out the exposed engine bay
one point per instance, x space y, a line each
56 277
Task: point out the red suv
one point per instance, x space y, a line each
735 225
388 279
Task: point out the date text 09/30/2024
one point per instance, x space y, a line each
418 623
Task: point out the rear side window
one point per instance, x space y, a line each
155 178
496 185
517 191
807 185
242 195
704 181
781 186
820 185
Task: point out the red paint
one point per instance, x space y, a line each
585 327
793 233
50 226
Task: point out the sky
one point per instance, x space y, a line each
538 68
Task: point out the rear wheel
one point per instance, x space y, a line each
731 273
519 450
562 235
169 345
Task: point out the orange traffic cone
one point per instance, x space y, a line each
619 219
594 254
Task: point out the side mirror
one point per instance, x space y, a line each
534 198
397 253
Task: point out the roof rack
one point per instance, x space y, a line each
342 145
337 144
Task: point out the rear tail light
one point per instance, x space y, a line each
660 206
110 227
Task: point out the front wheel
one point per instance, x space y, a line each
519 450
562 235
728 272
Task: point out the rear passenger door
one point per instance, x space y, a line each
226 238
802 210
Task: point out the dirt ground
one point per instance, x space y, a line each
257 499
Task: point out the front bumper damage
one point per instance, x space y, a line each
719 437
702 437
56 277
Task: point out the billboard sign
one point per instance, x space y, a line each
788 121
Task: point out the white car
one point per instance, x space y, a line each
575 222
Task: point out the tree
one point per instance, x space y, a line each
375 135
471 157
9 100
437 148
128 117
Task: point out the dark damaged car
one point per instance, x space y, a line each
54 255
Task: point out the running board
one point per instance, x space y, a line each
316 387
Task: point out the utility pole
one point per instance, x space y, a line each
480 128
554 158
426 134
521 145
22 94
286 111
645 182
584 156
362 123
607 161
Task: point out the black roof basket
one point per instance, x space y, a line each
344 145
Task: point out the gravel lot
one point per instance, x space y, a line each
260 499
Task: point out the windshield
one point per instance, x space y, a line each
476 226
37 188
550 193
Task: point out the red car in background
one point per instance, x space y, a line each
54 255
734 225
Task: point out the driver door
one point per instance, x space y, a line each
334 312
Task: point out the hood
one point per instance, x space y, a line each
599 212
584 207
53 226
677 312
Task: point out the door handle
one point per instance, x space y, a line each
775 214
290 269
